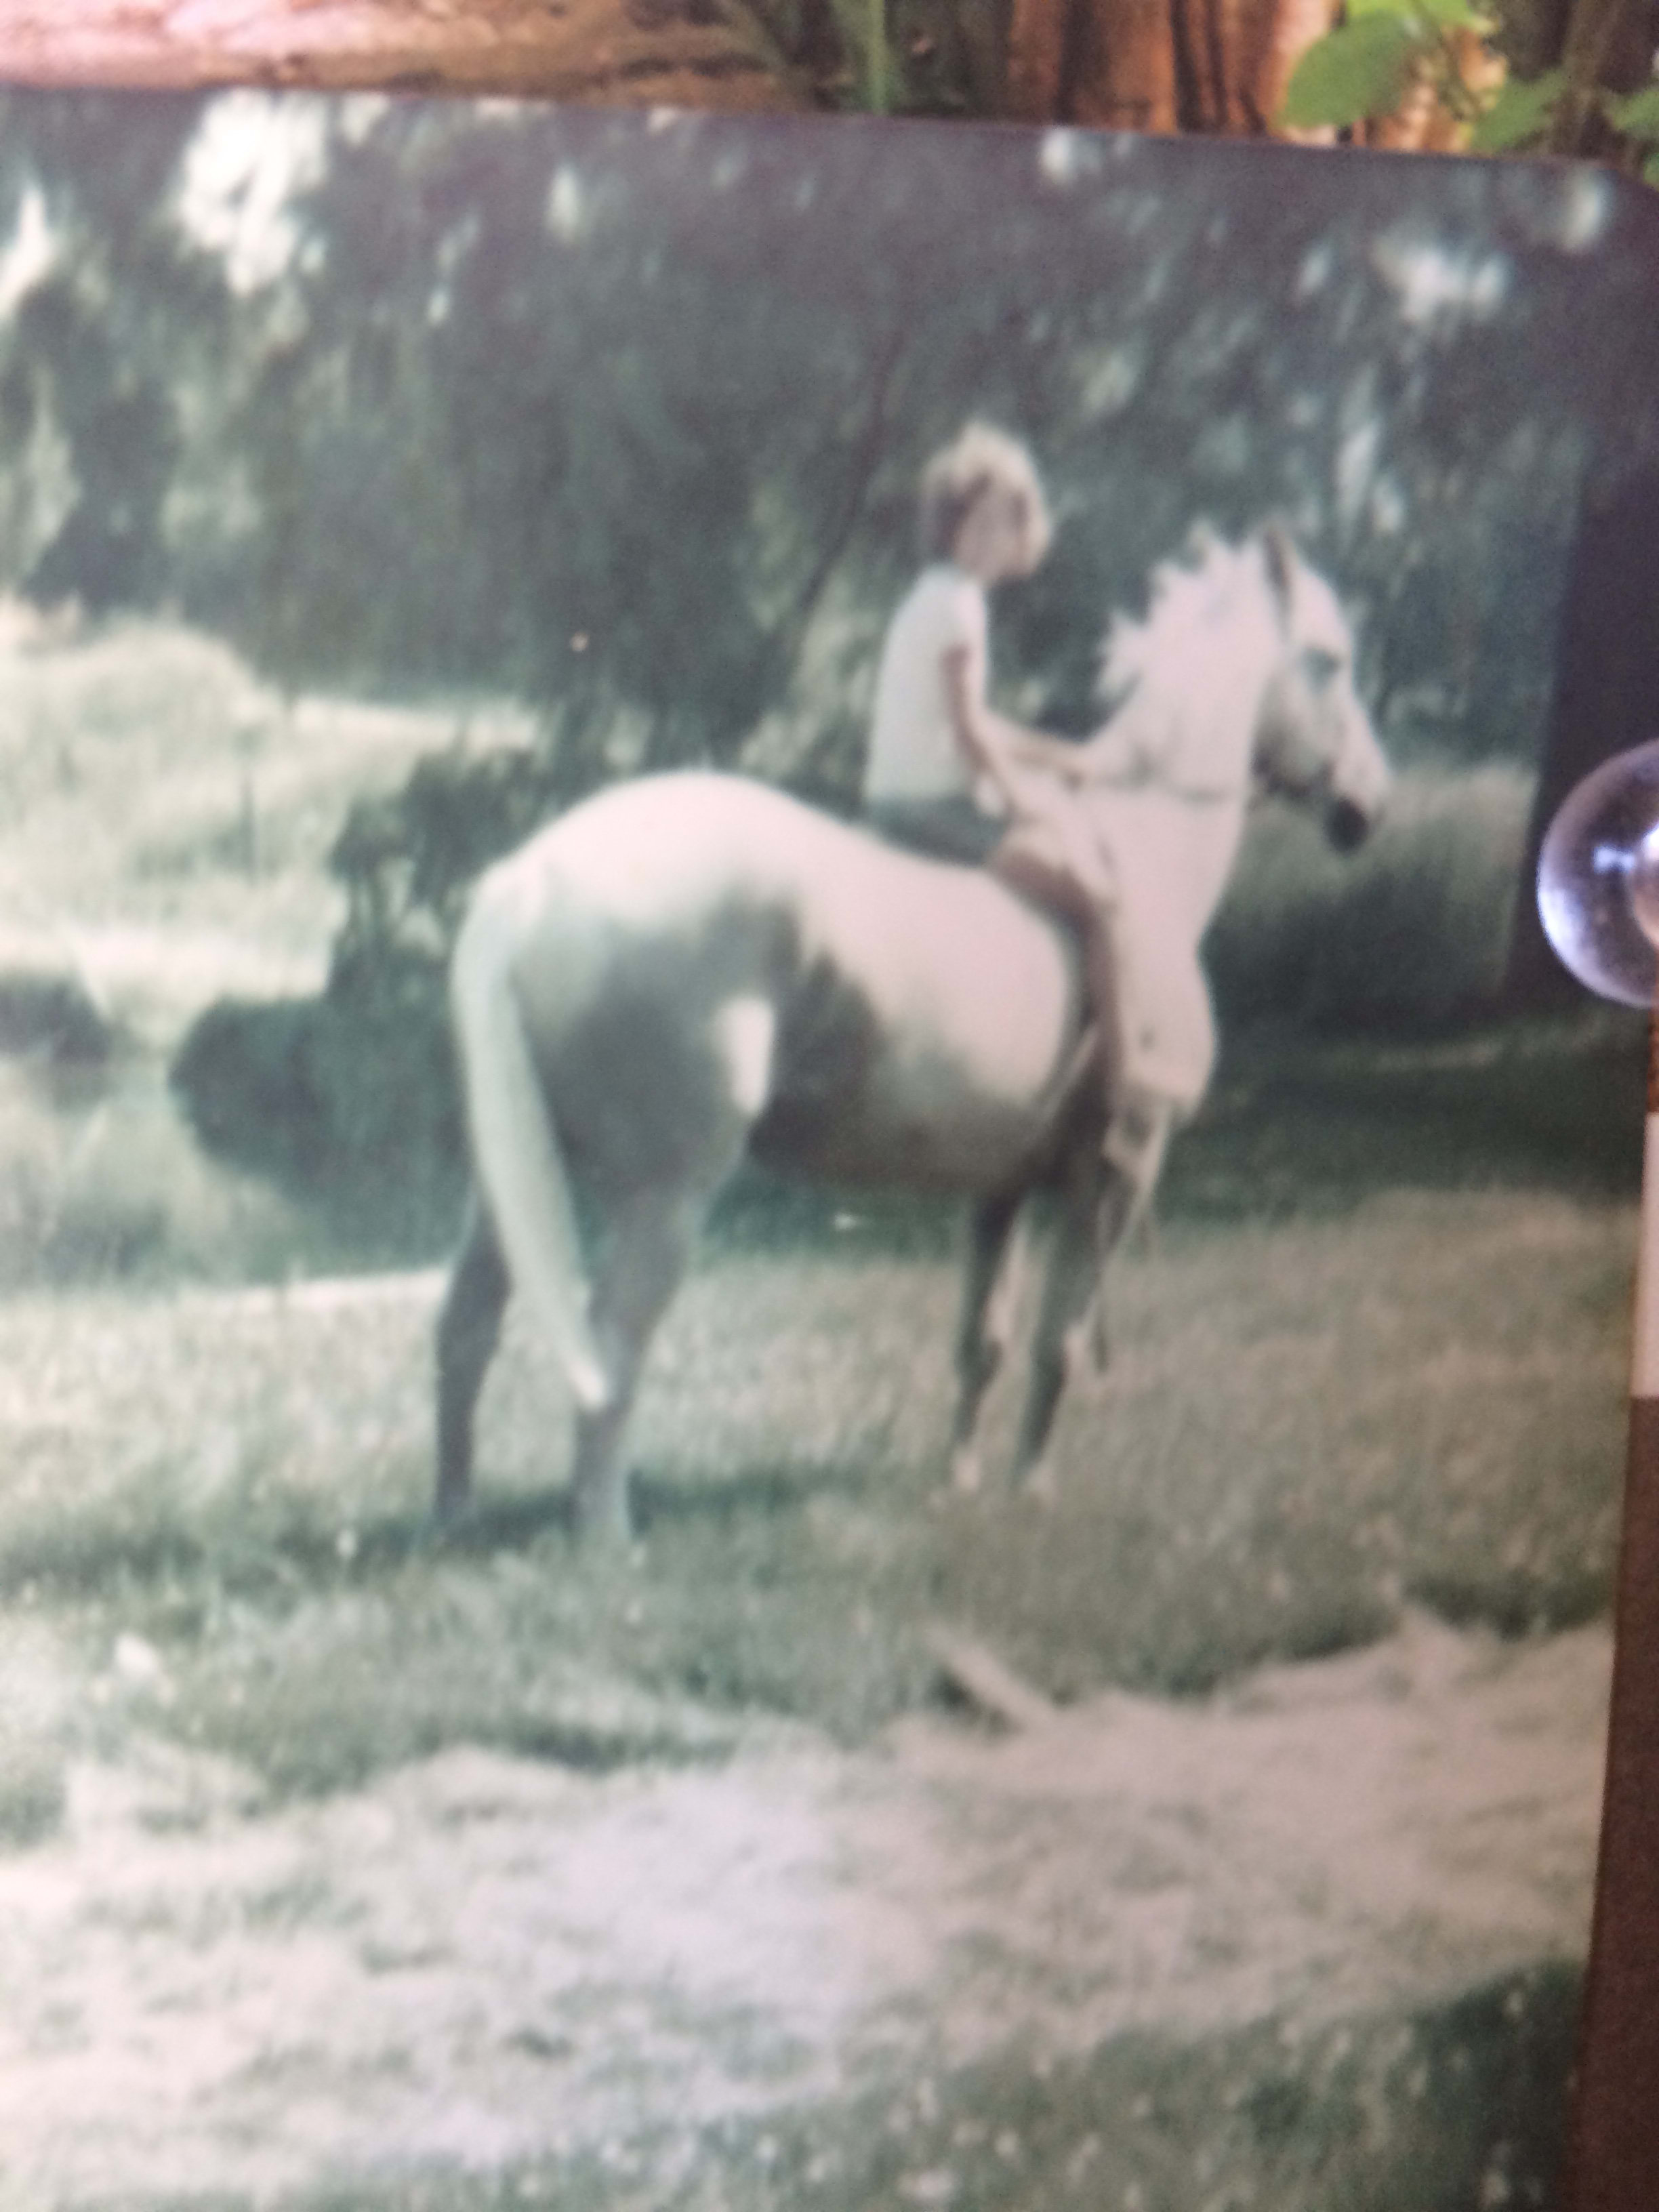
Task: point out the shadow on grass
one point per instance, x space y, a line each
80 1559
1510 1604
770 1487
661 1500
84 1558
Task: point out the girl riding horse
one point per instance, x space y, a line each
949 776
688 970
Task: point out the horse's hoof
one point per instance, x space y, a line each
606 1539
604 1527
450 1516
1040 1484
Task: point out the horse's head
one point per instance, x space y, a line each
1314 740
1241 673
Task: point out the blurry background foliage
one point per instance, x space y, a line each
1446 75
1564 76
434 402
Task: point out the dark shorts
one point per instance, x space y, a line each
948 829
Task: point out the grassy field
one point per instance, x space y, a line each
1305 1427
1377 1356
1373 1360
166 818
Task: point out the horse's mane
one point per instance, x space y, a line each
1188 594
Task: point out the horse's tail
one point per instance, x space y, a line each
515 1148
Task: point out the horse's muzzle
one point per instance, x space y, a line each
1347 826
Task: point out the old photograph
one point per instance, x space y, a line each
814 1304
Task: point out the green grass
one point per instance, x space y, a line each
1307 1424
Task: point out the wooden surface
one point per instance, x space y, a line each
1616 2163
636 51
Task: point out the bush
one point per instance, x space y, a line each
1411 933
349 1098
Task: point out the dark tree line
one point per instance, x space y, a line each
623 417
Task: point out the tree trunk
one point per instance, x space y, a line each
1208 65
1608 43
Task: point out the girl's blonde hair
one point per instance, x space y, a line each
977 460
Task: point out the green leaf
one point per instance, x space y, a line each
1458 16
1639 115
1650 170
1361 69
1422 18
1520 113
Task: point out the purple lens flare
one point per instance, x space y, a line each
1598 878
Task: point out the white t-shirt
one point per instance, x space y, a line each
914 750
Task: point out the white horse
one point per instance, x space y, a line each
692 969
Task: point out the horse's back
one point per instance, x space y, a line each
693 939
656 854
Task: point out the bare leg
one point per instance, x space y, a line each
1093 1207
469 1325
983 1330
1135 1144
1030 862
648 1244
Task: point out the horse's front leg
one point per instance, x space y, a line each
469 1325
1095 1205
984 1327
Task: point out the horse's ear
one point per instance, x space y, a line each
1279 552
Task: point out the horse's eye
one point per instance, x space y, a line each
1320 666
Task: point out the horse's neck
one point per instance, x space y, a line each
1193 735
1173 855
1176 763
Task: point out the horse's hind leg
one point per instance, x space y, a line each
984 1327
648 1232
469 1325
646 1245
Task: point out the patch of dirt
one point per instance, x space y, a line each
569 49
482 1960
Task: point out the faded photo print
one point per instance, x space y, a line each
813 1304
